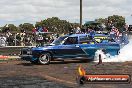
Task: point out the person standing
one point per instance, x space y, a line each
45 29
78 30
40 40
2 40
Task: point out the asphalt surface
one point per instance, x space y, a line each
28 82
22 74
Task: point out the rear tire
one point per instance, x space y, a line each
44 58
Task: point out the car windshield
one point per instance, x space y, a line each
59 40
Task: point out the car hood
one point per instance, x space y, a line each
43 47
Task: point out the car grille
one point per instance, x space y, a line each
26 52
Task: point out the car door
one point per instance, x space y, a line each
69 49
87 45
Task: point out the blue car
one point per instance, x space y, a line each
72 46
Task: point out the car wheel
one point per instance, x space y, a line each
44 58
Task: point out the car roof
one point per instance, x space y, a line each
100 35
76 35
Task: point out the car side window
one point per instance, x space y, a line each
104 41
86 40
71 40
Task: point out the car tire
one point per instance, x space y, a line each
44 58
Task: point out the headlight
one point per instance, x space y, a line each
29 51
26 51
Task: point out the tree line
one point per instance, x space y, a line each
57 25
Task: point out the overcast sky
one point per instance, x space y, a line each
21 11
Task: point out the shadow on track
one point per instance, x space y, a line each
56 62
25 64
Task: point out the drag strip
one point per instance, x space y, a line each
28 82
22 74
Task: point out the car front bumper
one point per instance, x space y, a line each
26 57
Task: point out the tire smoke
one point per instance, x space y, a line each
124 55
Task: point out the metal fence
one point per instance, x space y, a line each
25 40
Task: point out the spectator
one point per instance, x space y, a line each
40 29
22 30
92 32
10 40
2 40
45 29
22 39
109 25
27 40
78 30
34 30
18 39
97 28
39 40
84 29
101 28
114 32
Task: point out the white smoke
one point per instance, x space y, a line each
124 55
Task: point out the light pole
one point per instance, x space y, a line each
80 13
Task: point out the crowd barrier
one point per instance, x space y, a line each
12 50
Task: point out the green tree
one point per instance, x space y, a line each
118 21
103 21
54 24
10 27
26 26
115 20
